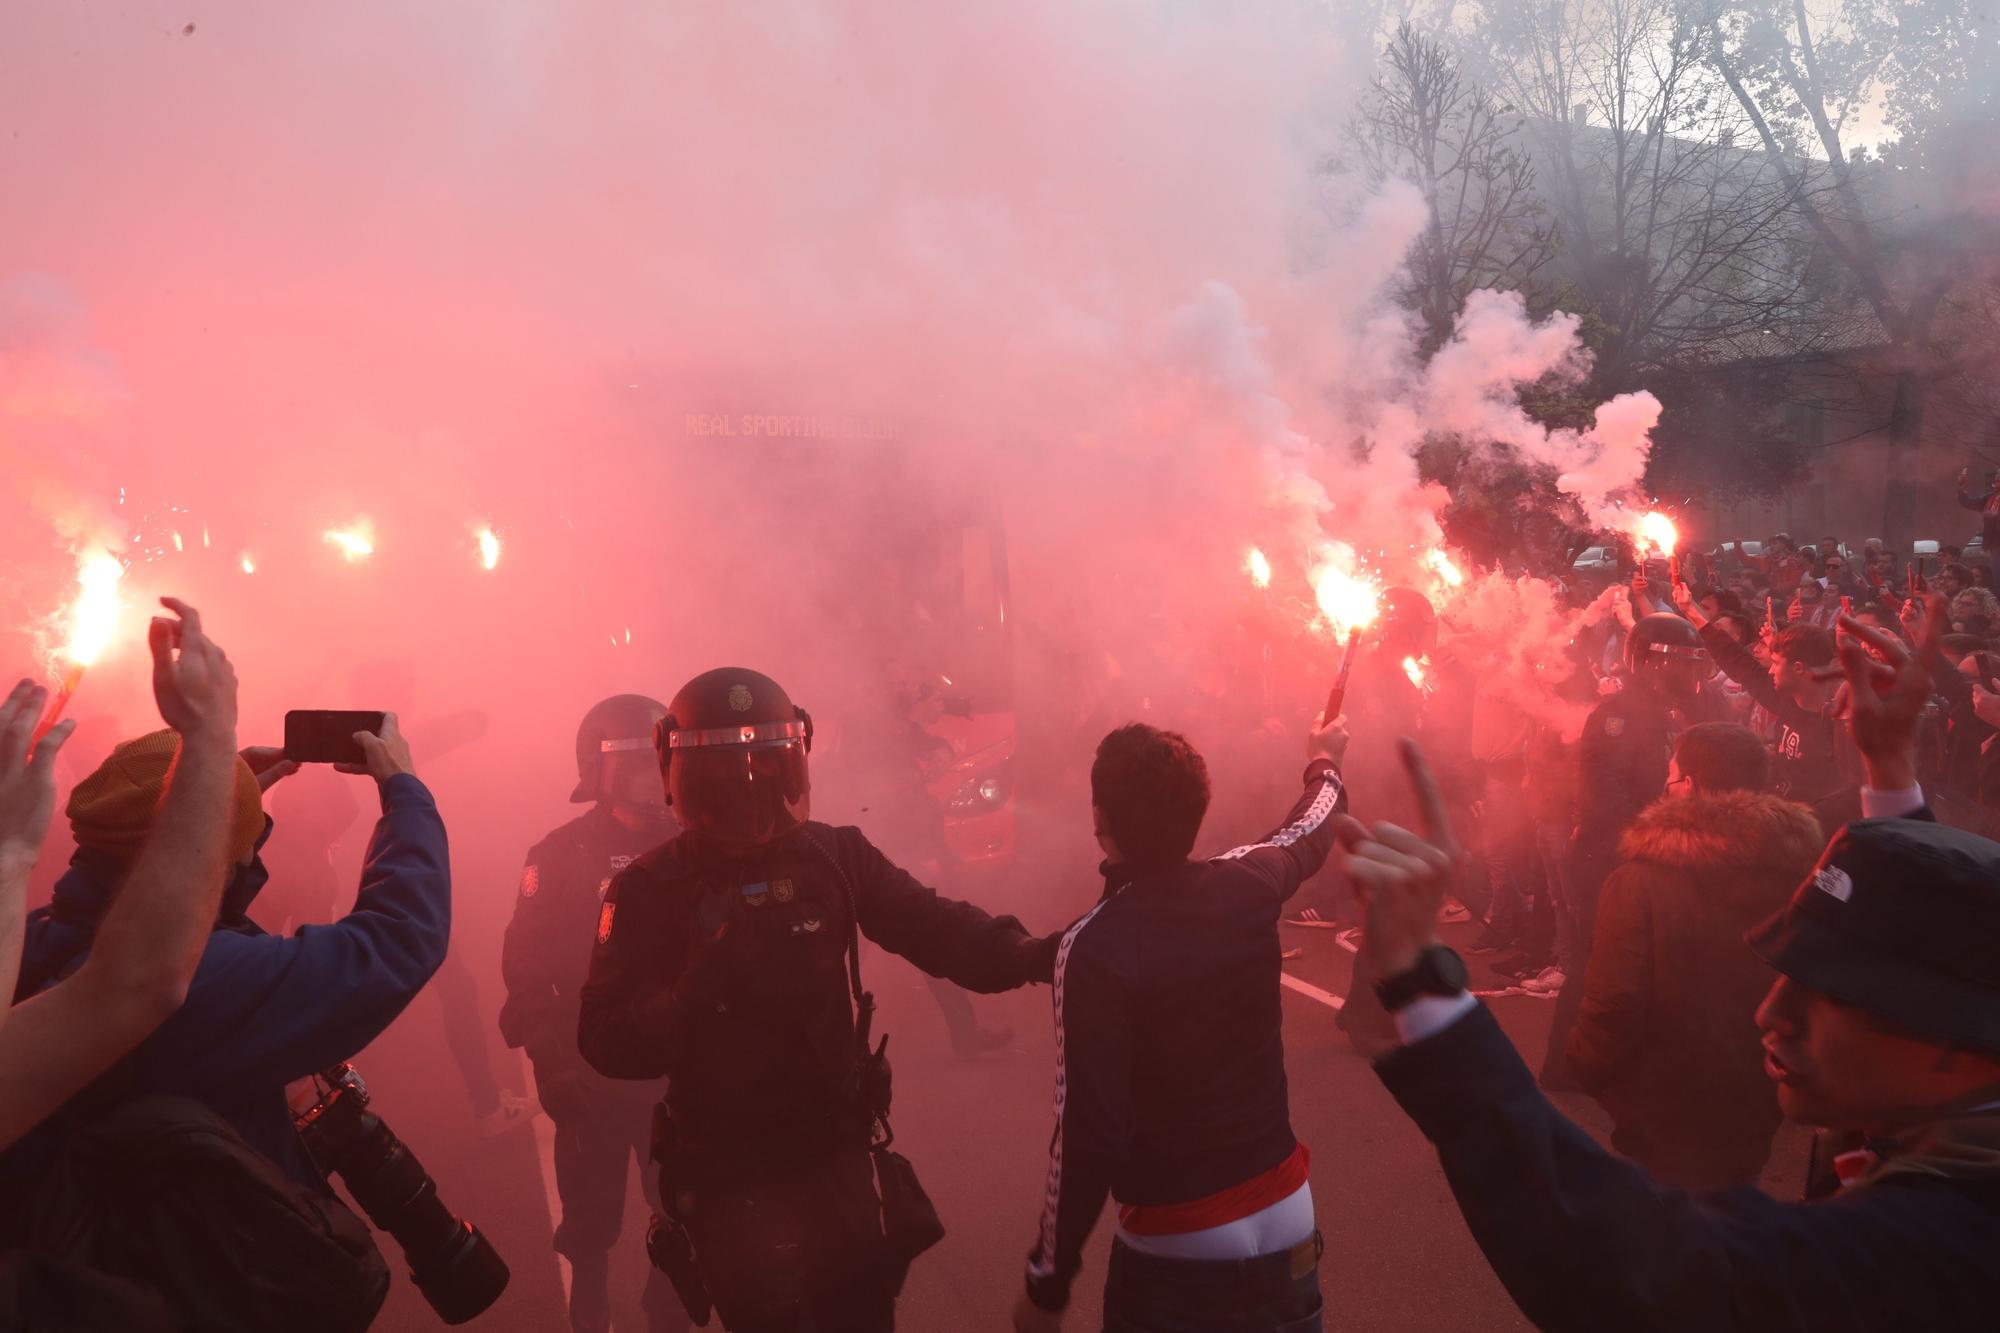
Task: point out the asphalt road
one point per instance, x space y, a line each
1398 1257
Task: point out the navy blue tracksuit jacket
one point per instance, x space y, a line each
1170 1059
1586 1242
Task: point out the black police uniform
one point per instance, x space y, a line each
600 1123
1622 760
727 970
1628 742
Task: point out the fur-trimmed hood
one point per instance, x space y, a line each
1731 831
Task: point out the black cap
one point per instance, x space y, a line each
1901 918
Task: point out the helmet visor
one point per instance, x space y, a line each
741 793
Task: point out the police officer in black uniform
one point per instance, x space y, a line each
727 961
601 1124
1622 761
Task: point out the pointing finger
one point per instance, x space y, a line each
1430 801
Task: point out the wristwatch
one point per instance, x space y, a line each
1437 971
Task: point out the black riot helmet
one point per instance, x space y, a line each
622 723
1667 649
1408 623
733 747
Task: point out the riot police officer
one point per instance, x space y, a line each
600 1124
728 961
1622 761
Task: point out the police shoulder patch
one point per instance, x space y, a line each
531 880
604 916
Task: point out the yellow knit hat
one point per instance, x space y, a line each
111 810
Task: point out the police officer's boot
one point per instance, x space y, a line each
590 1293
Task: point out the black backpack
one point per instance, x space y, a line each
160 1191
40 1293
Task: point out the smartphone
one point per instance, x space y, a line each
326 735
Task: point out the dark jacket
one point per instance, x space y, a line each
545 955
1170 1059
1622 759
727 974
265 1010
1664 1037
1808 760
1587 1243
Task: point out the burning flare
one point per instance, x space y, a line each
1441 565
249 563
356 541
489 548
1655 535
1350 602
1413 667
93 616
1259 567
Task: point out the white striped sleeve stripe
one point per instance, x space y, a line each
1315 815
1043 1263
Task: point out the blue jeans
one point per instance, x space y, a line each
1268 1294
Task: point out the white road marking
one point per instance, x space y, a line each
1310 991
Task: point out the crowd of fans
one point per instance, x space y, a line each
1788 769
1767 626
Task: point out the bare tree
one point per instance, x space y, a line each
1677 241
1423 122
1804 88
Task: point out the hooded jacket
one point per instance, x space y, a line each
1666 1037
264 1010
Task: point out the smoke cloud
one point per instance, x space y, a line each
973 344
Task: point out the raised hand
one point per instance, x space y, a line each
1684 602
1888 686
1327 740
27 780
193 682
268 762
1402 878
387 753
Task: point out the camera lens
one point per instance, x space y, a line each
451 1262
469 1277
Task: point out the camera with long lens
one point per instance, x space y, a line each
451 1263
